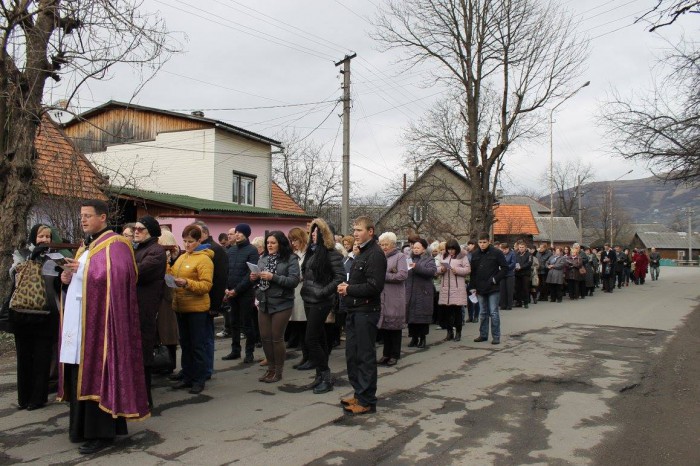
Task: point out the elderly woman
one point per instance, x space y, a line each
296 329
128 231
151 263
276 279
193 272
392 319
166 320
573 272
556 266
35 331
322 271
419 293
453 269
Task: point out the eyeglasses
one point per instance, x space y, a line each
140 229
86 216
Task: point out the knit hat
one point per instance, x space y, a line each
243 228
151 225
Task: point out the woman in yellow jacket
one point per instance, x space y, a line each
193 272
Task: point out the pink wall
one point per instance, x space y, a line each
219 225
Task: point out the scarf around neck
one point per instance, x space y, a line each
270 266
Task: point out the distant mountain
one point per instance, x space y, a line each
647 200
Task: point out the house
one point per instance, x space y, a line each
176 153
565 231
513 222
63 179
176 211
670 244
435 206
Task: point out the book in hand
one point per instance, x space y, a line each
58 258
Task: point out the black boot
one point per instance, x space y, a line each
316 382
450 336
413 343
326 384
458 335
421 342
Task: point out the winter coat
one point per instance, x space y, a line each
364 291
238 271
555 276
510 260
420 289
573 264
280 294
322 290
298 313
393 314
588 264
220 280
622 260
151 263
525 263
489 267
612 259
453 288
543 257
197 268
167 320
641 266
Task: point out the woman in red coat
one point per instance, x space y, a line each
641 265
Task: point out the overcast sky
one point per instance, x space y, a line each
276 53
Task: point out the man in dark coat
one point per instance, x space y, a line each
489 267
543 254
239 292
523 269
218 289
608 259
362 294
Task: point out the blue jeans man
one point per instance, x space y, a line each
488 305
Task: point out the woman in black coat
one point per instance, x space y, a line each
322 271
151 262
35 333
419 293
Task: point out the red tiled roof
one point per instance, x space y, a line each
282 201
513 220
61 170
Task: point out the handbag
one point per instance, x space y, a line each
29 296
161 359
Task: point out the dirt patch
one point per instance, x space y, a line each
660 416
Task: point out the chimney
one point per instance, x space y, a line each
198 113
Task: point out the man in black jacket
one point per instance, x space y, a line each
218 289
489 267
608 258
362 293
523 269
239 292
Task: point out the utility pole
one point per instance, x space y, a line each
690 234
345 201
580 225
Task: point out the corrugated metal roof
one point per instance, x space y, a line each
672 240
565 229
537 207
650 227
202 205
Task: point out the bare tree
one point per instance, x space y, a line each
40 39
607 208
504 61
662 129
566 177
307 173
666 12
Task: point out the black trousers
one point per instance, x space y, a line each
451 317
543 287
522 289
315 338
242 318
361 355
87 420
33 368
418 330
392 343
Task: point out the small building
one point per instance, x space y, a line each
565 231
670 244
513 222
437 205
538 209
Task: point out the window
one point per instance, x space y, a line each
243 188
416 213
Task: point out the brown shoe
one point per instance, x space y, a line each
267 374
349 401
358 409
275 376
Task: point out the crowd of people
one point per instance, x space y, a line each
111 317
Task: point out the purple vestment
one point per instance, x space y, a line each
111 363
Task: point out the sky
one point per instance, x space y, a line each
268 66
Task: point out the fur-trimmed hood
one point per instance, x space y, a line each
325 230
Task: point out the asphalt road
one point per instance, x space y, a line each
612 379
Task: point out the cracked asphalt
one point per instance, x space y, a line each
584 382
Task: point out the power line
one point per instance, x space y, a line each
231 109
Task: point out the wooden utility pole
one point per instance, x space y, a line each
580 209
345 202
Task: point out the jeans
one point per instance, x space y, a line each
315 337
194 332
489 311
361 355
654 272
241 318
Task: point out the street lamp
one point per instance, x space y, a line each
551 163
610 190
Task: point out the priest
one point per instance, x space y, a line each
101 372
